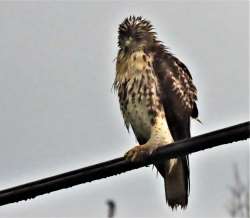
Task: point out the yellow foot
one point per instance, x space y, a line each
140 152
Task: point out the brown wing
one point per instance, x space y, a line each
178 96
180 79
178 93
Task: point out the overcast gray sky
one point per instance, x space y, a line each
57 111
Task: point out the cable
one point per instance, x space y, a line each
120 165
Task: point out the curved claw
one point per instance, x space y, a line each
139 153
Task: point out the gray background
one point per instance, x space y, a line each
57 111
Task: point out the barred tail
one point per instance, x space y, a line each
176 181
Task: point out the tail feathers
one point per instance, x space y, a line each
176 181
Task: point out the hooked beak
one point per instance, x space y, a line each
128 41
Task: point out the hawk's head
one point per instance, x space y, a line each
135 33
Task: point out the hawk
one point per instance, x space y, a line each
157 99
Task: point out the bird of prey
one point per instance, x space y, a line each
157 99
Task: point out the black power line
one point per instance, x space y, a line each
120 165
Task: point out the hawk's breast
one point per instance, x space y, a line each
137 113
139 97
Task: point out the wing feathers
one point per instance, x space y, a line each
177 89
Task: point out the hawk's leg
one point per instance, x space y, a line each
160 135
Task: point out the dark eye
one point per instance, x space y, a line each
139 35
